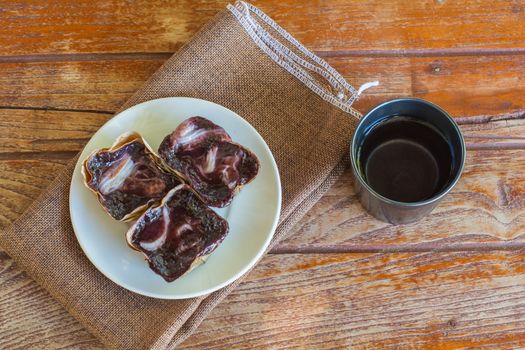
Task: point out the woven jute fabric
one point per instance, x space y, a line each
308 135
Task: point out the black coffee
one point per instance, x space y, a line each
405 159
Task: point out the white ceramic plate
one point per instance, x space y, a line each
252 215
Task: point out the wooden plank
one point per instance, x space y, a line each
464 86
423 301
38 27
376 301
47 131
42 27
91 85
21 181
31 319
35 145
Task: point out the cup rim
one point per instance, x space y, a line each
430 200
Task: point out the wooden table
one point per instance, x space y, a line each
454 280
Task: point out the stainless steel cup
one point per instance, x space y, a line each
405 212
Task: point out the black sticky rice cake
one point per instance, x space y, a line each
177 235
205 155
127 177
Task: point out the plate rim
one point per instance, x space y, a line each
230 280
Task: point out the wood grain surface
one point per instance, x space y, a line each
455 280
466 85
374 301
49 27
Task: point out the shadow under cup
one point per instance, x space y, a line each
406 154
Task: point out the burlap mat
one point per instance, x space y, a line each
300 106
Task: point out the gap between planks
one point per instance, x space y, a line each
396 248
461 120
54 109
49 155
425 52
78 57
66 155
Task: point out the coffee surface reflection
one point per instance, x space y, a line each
405 159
